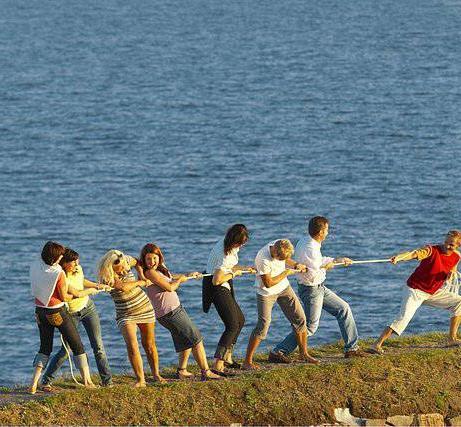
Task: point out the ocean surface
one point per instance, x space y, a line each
128 122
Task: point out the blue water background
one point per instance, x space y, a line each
128 122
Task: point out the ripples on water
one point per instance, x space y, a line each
124 123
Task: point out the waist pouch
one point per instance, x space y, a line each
55 319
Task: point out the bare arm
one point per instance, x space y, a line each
62 287
76 293
269 281
418 254
296 265
160 280
128 286
220 277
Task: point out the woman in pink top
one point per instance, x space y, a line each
171 314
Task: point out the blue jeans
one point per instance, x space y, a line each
89 317
314 299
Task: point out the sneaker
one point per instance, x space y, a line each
278 357
355 353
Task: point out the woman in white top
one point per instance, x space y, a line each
218 290
82 310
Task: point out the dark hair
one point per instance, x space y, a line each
151 248
69 256
236 235
316 225
51 252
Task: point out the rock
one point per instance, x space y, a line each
456 421
429 420
400 420
375 422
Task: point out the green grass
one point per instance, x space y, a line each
417 375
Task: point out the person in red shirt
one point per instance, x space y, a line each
424 286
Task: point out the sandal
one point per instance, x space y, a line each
225 374
373 350
233 365
205 377
180 376
47 388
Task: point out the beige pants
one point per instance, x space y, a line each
414 298
290 305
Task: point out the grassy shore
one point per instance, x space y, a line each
416 375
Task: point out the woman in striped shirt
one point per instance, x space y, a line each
133 311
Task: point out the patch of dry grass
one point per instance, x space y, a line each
416 375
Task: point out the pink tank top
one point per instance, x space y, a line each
163 301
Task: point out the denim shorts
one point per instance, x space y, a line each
183 331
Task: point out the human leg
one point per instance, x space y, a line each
230 313
411 301
92 325
312 299
128 331
46 331
148 342
56 362
200 356
293 311
452 302
264 304
71 337
340 309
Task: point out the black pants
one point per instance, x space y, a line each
50 318
232 316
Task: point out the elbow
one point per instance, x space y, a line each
268 284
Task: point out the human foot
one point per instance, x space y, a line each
278 357
89 384
375 349
250 366
308 359
159 379
207 374
47 388
184 374
232 365
454 342
140 384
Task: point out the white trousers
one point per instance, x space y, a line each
414 298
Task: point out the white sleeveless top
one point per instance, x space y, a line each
43 279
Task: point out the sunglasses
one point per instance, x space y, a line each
118 260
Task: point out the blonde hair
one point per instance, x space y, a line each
283 249
106 272
456 234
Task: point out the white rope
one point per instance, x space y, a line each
70 362
211 274
368 261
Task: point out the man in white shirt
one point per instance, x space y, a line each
316 296
273 286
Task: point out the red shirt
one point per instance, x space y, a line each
431 273
56 296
